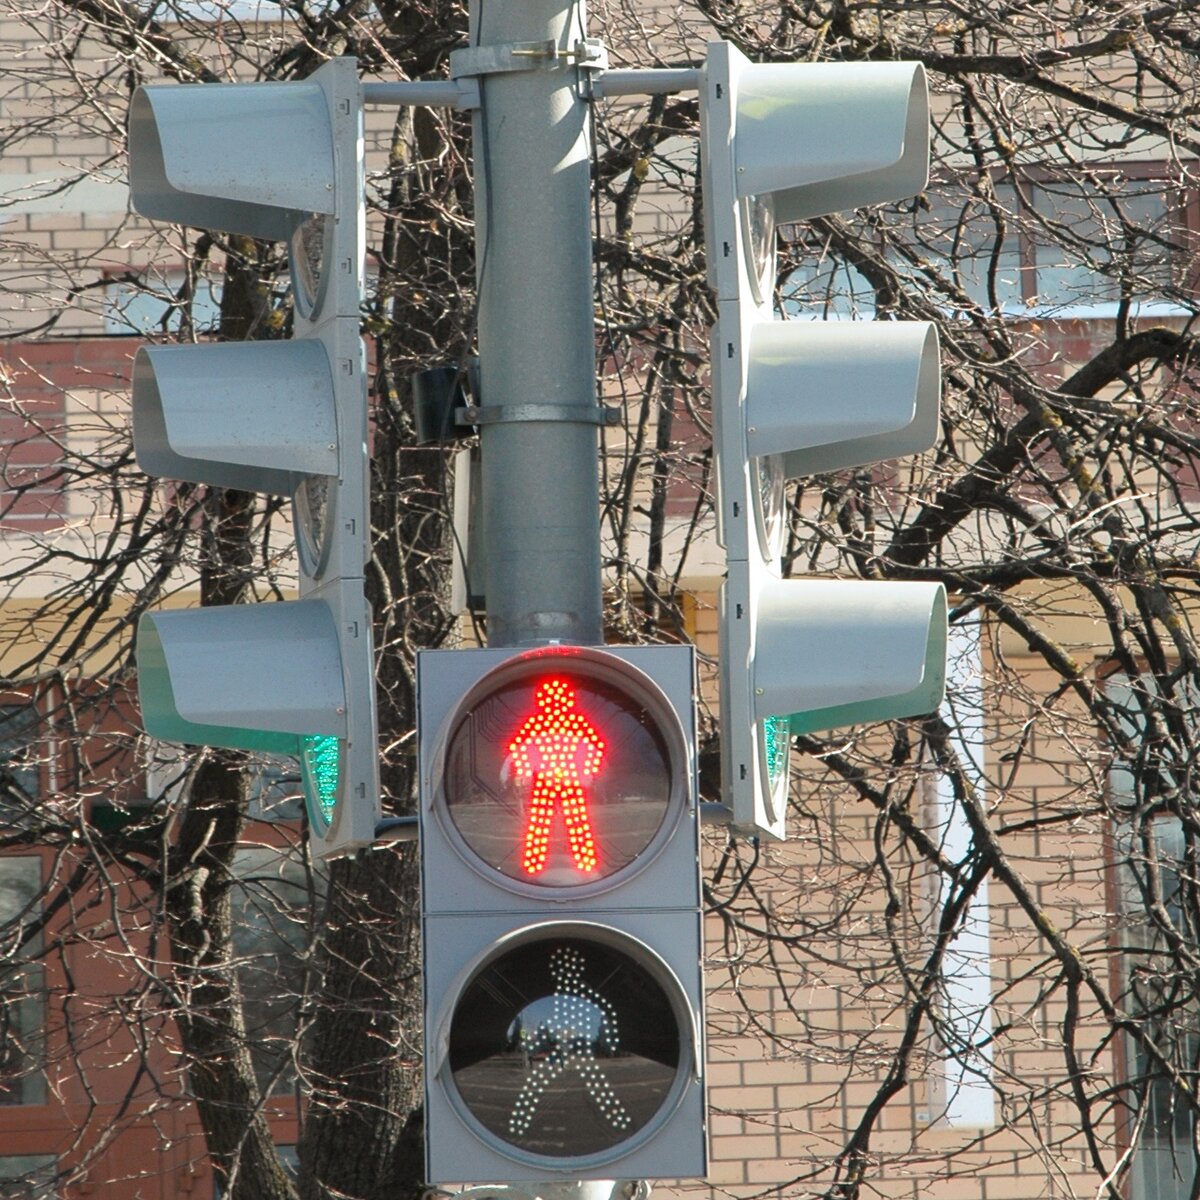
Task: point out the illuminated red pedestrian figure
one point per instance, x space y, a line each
560 750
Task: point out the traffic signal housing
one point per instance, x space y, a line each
561 909
288 417
780 144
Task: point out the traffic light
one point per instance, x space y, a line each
561 906
780 144
280 161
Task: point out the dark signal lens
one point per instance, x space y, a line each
565 1047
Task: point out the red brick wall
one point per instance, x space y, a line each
35 378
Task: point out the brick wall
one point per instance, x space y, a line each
801 1038
56 395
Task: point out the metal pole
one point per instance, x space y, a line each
540 473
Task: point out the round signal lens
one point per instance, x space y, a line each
774 737
769 513
562 770
321 771
310 513
758 228
308 252
569 1044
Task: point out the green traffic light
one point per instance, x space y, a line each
321 759
776 731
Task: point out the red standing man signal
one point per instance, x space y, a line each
560 750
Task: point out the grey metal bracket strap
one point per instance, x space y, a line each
502 414
589 54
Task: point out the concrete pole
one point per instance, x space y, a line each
540 473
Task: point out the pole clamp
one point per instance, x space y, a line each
588 54
503 414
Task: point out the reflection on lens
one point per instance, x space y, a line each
311 508
564 1046
769 516
306 253
758 224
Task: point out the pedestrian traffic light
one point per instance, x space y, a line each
781 144
561 909
288 417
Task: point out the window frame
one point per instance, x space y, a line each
848 301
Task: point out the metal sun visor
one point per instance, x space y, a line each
857 133
245 158
828 396
194 416
835 652
244 676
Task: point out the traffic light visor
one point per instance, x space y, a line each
246 676
824 137
255 159
257 416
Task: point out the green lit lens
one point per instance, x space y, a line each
776 732
321 759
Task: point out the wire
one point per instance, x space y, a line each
605 317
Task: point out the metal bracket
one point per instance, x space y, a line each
588 54
591 54
398 829
501 414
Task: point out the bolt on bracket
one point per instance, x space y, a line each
587 53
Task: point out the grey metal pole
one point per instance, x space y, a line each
540 460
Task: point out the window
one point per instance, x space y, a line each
827 288
27 1176
241 11
275 789
1088 240
154 306
18 758
1046 244
22 984
960 1089
1158 888
1164 1159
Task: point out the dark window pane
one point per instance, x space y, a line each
22 986
272 906
18 756
27 1176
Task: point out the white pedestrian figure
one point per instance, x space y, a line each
571 1030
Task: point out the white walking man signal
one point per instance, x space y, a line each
576 1011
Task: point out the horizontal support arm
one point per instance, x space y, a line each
464 92
663 82
433 93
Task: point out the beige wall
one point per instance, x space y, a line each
801 1040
